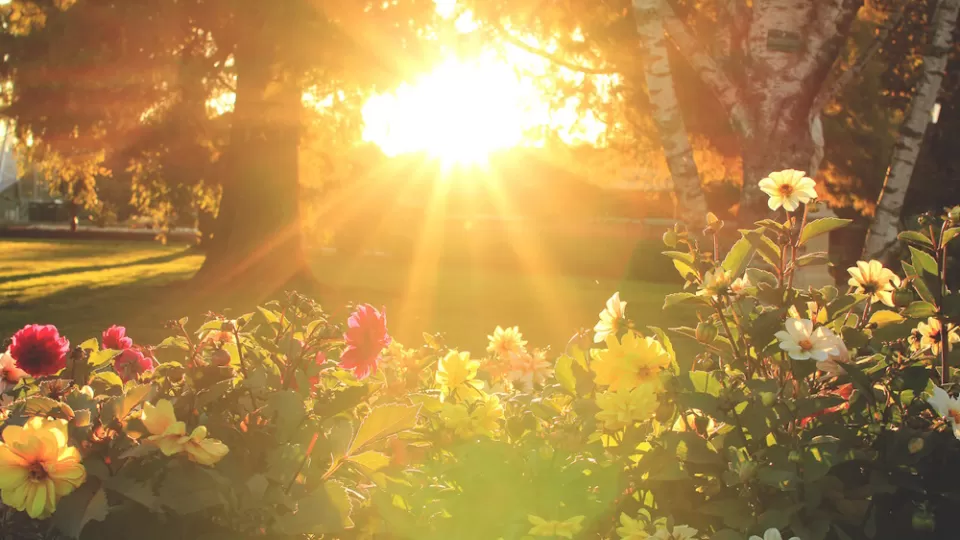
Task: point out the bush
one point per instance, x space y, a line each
816 414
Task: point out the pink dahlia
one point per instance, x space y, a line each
366 337
39 350
116 338
129 364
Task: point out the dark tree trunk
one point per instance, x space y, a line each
257 239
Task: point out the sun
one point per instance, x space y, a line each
459 113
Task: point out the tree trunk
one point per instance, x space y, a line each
886 223
257 237
666 111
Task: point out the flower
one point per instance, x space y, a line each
680 532
456 375
116 338
716 283
129 364
624 407
202 450
872 279
366 337
165 431
931 335
506 341
525 369
801 342
39 350
482 418
611 319
831 366
771 534
37 467
740 285
563 529
631 529
10 373
788 188
628 362
947 407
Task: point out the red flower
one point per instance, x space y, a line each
366 337
39 350
129 364
116 338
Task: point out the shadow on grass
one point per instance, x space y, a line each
99 267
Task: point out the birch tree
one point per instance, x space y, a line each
886 223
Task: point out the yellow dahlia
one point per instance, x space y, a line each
624 407
456 375
202 450
629 362
37 467
788 188
872 279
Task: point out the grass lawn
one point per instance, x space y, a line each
84 286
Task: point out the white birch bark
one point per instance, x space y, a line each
886 222
666 110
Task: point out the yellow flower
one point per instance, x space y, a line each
624 407
202 450
37 467
563 529
716 283
165 431
740 285
788 188
872 279
482 418
506 341
630 362
456 375
631 529
611 319
931 335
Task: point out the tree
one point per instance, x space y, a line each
886 224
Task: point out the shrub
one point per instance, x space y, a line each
814 414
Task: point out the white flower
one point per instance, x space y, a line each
10 374
610 319
946 407
788 188
801 342
716 282
872 279
831 366
740 286
771 534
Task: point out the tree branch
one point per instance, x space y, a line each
710 72
828 93
519 43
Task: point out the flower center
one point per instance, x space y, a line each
805 344
871 287
786 190
36 472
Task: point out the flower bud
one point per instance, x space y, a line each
954 214
220 358
670 239
915 445
706 332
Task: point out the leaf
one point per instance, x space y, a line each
822 226
768 250
100 358
272 317
920 310
564 373
811 259
923 262
949 235
120 406
325 511
175 342
190 489
92 344
287 410
885 317
683 298
88 503
738 257
343 400
916 238
370 460
758 276
40 405
132 489
382 422
700 381
105 381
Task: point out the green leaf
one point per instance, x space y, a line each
120 406
768 250
885 317
565 376
272 317
842 304
189 489
923 262
105 381
738 257
916 238
811 259
40 405
175 342
88 503
854 337
92 344
758 276
683 298
325 511
287 410
132 489
99 358
700 381
370 460
382 422
920 310
949 235
822 226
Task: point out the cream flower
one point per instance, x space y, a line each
947 407
872 279
716 283
165 431
740 286
788 188
10 373
771 534
624 407
931 335
802 342
831 366
525 369
505 341
611 319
